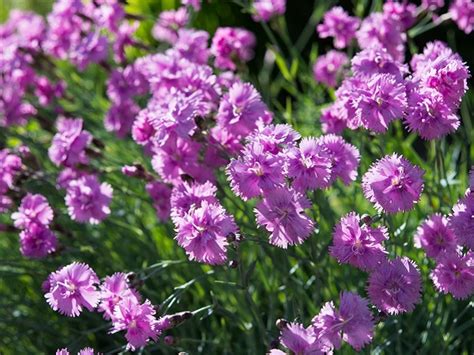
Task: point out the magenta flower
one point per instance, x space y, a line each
462 12
461 221
93 48
344 157
168 24
264 10
393 184
10 167
86 351
231 46
193 45
333 118
403 13
108 14
88 200
395 286
454 274
431 51
352 323
338 24
189 196
71 288
382 31
275 139
328 67
195 4
203 233
67 175
37 241
301 340
138 320
62 351
255 172
358 244
381 101
282 213
375 60
68 147
34 209
429 116
160 194
308 165
435 236
113 290
432 4
241 109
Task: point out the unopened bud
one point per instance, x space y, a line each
233 264
366 219
281 323
169 340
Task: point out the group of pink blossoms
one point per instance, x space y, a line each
197 122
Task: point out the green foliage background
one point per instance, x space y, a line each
236 308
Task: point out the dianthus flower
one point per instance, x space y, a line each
120 117
85 351
371 61
432 4
393 184
46 91
195 4
67 175
168 24
428 115
231 46
462 12
34 208
255 172
328 67
382 31
454 274
138 320
435 236
431 51
338 24
461 220
189 195
37 241
68 147
203 233
358 244
346 101
160 194
401 12
108 14
282 213
241 109
10 167
301 340
71 288
352 323
264 10
193 45
308 165
381 101
88 200
113 290
395 286
344 157
93 48
333 118
275 139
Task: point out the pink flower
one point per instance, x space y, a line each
454 274
264 10
72 288
393 184
10 167
461 221
160 194
138 320
308 166
188 196
338 24
282 213
352 323
37 241
334 118
358 244
34 209
231 46
203 233
69 144
375 60
113 290
168 24
193 45
435 236
395 286
301 340
462 12
88 200
328 67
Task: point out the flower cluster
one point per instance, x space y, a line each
76 287
10 168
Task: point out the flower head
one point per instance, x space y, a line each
358 244
395 286
393 184
338 24
232 45
88 200
282 213
301 340
264 10
34 209
203 233
37 241
168 24
352 323
454 274
461 221
328 67
188 196
113 290
334 118
72 288
375 60
435 236
10 167
462 12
